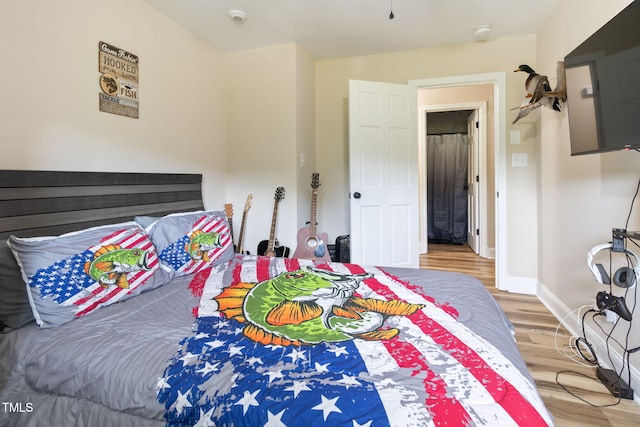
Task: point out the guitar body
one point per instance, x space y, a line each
312 247
278 251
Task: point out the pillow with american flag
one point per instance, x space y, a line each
73 274
192 241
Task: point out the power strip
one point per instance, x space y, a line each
616 385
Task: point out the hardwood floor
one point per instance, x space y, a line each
536 337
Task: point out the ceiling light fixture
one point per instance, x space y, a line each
391 15
482 33
237 16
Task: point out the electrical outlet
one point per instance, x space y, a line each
611 316
519 160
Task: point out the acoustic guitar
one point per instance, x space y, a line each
247 206
311 244
271 247
228 212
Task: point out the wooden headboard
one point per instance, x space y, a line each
46 203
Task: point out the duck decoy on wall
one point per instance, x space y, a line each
539 91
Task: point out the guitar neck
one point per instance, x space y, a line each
314 206
228 213
230 221
241 235
272 234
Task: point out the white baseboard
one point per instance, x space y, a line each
487 252
520 285
572 323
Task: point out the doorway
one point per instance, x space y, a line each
450 163
476 103
492 160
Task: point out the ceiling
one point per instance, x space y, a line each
328 29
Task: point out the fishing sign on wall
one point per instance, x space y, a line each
118 81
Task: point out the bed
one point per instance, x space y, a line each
136 312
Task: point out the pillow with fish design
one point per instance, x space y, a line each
73 274
192 241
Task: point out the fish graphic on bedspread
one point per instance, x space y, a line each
286 342
309 306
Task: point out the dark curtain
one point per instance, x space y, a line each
447 187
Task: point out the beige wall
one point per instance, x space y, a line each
240 120
305 134
503 55
49 116
580 198
270 100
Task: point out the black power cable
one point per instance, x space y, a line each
565 388
593 358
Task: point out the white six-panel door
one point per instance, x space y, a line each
383 173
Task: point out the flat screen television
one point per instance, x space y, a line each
603 87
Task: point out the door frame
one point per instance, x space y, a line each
499 82
481 108
477 138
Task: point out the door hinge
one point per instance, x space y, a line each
477 178
477 125
477 231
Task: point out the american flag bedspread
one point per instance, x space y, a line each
286 342
262 341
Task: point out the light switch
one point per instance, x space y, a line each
587 92
519 160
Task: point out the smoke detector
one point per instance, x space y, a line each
237 16
482 33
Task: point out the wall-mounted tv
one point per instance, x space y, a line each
603 87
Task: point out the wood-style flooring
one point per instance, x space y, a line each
536 337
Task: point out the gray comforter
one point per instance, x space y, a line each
100 370
110 368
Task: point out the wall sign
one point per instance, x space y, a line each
118 81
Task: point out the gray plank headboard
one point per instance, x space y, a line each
45 203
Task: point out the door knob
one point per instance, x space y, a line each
356 195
